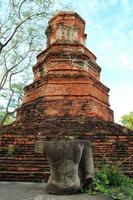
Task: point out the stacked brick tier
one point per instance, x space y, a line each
66 72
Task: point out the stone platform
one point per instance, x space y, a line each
36 191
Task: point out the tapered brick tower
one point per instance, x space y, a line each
66 100
66 75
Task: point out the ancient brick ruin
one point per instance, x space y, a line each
66 99
66 75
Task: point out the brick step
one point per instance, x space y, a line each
23 159
15 143
8 162
28 154
23 163
19 152
15 136
24 176
24 153
18 148
96 154
111 157
114 160
34 164
37 164
21 146
24 168
129 173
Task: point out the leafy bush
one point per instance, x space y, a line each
110 180
10 150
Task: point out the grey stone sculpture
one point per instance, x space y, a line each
71 163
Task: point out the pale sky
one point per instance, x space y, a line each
109 27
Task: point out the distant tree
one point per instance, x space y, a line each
22 25
8 120
127 120
11 101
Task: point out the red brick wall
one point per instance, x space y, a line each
109 140
69 70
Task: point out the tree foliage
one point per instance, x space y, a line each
21 34
127 120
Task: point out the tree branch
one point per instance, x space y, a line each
19 9
17 27
2 34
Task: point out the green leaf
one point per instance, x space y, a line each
127 120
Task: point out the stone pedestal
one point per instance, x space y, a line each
71 164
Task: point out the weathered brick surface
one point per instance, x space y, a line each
68 70
108 139
66 100
66 27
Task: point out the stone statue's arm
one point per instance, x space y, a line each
39 147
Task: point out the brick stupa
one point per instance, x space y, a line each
65 100
66 75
